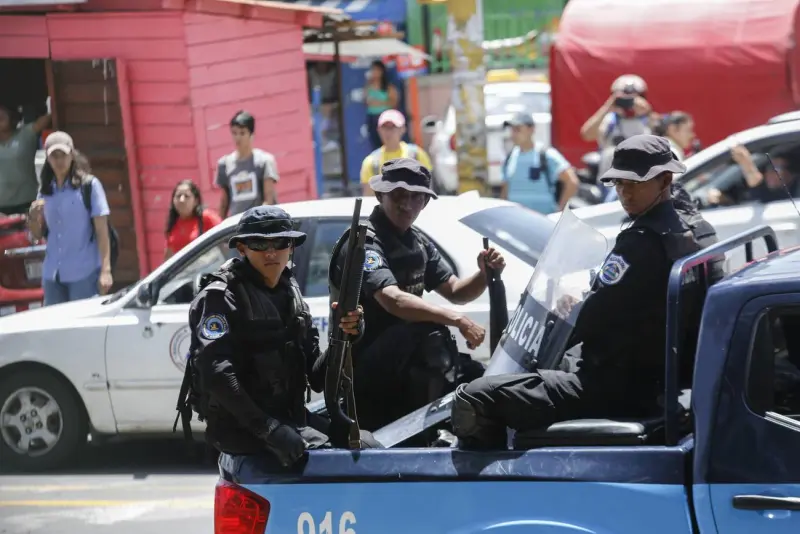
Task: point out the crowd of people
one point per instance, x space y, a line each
66 205
627 112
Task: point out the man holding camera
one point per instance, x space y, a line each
626 113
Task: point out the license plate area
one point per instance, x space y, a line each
33 269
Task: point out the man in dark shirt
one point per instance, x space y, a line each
621 324
407 356
254 351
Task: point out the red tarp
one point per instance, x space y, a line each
732 64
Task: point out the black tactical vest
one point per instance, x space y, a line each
406 257
273 373
682 233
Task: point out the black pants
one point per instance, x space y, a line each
406 367
372 132
484 408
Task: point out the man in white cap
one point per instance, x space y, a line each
391 128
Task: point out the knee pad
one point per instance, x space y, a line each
473 429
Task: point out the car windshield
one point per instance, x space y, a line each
509 102
521 231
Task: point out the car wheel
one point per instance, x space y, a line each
42 423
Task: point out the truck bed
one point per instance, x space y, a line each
588 489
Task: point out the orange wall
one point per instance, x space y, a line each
188 74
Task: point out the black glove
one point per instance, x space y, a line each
285 442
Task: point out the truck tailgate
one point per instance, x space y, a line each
445 491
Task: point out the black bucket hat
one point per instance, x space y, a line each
405 173
641 158
265 222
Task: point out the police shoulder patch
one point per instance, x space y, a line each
372 261
214 327
613 270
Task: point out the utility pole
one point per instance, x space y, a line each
465 44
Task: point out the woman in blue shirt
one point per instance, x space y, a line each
77 262
380 95
528 179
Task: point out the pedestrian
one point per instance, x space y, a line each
18 181
678 128
380 96
77 261
622 324
254 351
188 218
407 356
391 128
248 175
624 114
537 177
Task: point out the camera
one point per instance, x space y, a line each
624 102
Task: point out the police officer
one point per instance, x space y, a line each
622 324
407 356
253 348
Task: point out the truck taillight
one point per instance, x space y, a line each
453 142
239 511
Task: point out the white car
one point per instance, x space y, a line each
714 168
114 365
502 101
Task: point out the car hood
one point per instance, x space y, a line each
69 315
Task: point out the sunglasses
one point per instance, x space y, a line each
262 245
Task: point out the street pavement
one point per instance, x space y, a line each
128 488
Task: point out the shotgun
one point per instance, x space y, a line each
339 373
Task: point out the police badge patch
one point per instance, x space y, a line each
613 270
372 261
214 327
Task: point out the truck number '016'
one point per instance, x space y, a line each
307 525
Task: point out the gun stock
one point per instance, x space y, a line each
339 374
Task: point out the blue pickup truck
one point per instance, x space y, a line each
723 457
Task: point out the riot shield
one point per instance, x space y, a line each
542 325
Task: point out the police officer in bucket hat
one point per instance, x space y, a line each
408 356
622 324
254 351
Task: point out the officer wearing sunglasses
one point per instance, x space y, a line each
254 351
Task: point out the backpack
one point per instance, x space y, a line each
113 236
544 168
413 153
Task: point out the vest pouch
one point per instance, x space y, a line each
272 376
534 173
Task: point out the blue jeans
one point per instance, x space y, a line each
56 292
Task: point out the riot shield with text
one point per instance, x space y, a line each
540 330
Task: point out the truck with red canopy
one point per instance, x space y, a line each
731 64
